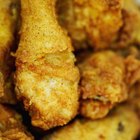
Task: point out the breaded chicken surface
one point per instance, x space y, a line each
121 124
106 78
46 78
8 19
92 22
94 109
11 127
102 84
103 77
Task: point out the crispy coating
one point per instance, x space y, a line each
8 17
121 124
102 84
11 127
92 22
106 78
102 77
94 109
46 78
130 31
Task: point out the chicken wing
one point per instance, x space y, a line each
8 18
46 78
121 124
11 127
90 22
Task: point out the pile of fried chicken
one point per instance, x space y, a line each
69 70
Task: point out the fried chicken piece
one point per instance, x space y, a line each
121 124
92 22
102 77
46 78
11 127
100 24
102 84
106 78
8 18
130 31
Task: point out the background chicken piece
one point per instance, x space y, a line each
11 127
121 124
46 78
129 33
92 22
134 98
8 18
106 78
132 70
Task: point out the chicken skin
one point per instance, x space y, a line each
90 22
46 78
8 18
11 127
121 124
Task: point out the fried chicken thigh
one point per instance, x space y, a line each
46 78
11 127
8 17
121 124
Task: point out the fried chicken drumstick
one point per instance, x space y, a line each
8 18
46 78
121 124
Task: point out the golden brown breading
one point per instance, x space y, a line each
11 127
8 17
102 77
121 124
106 78
46 78
94 109
130 31
93 22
